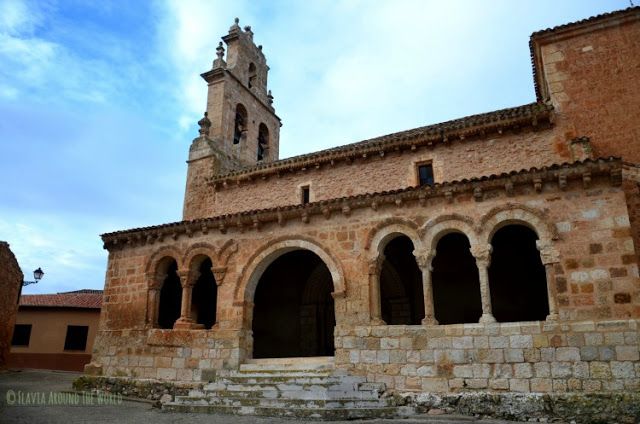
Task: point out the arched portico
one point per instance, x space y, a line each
392 232
318 288
534 220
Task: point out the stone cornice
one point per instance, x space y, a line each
217 73
572 29
533 116
557 176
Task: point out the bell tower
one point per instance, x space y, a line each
240 128
243 120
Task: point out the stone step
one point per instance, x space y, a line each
282 402
310 364
273 393
286 379
295 412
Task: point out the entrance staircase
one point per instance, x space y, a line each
290 387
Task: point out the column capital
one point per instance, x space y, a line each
375 265
548 253
424 259
187 278
482 252
154 280
218 273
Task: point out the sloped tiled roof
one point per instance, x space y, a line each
591 19
542 36
89 299
532 114
609 166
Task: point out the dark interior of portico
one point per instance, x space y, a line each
456 287
517 278
294 311
401 295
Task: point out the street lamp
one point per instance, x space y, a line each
37 275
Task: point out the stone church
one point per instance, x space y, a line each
494 253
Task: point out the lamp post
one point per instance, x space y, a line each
37 275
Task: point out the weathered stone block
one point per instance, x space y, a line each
623 370
522 370
600 370
513 355
627 353
567 354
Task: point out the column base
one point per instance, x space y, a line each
487 319
186 324
429 321
552 317
377 321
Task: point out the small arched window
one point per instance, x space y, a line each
240 126
252 75
263 141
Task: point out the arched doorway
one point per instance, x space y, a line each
294 311
401 296
456 286
517 278
170 294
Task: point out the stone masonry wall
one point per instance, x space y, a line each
594 280
455 161
11 278
518 357
592 77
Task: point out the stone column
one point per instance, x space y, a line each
375 307
550 257
218 274
424 261
153 299
185 321
482 254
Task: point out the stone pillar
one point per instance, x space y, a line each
375 306
482 254
424 261
218 274
550 257
185 321
153 299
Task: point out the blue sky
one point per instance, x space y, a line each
99 100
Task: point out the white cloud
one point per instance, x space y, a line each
66 253
341 72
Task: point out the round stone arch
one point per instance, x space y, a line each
435 229
269 252
443 305
377 241
157 258
387 230
198 250
510 214
536 221
155 273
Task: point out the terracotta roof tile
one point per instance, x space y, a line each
90 299
428 135
538 37
604 166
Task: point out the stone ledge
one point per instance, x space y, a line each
589 408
